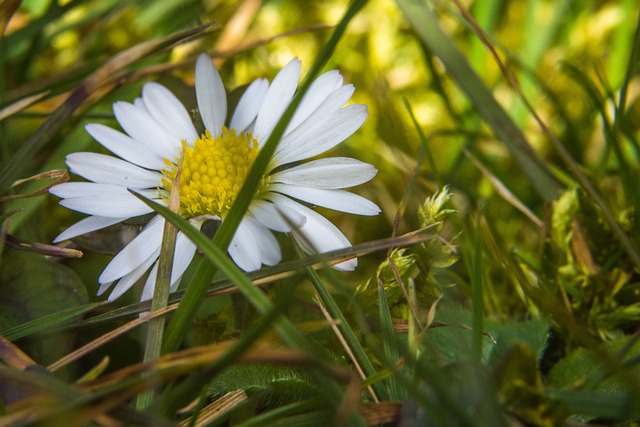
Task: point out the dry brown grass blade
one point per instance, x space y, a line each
173 365
236 27
109 336
408 239
381 412
58 175
13 356
334 326
283 270
216 54
81 95
21 244
7 9
217 408
21 104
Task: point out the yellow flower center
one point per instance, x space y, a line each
213 171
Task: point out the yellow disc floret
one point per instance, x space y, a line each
213 171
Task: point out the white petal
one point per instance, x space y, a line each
108 206
329 106
249 105
308 141
130 279
182 256
278 218
334 172
105 169
86 189
136 252
150 284
185 250
318 235
140 126
338 200
319 90
125 147
243 249
103 288
167 110
212 100
266 242
139 103
87 225
102 199
276 100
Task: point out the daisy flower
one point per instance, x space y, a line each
158 131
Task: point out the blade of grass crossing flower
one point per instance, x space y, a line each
197 288
220 259
427 30
254 295
227 229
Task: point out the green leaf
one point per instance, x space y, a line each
611 367
32 288
452 341
280 384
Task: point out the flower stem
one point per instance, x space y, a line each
155 331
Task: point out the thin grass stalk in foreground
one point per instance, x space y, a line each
345 328
160 299
195 291
254 295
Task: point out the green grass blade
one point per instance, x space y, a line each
345 328
49 322
389 342
427 30
477 291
